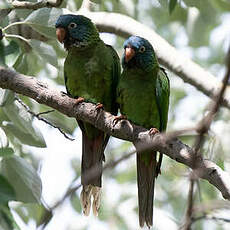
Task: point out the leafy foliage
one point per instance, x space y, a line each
30 47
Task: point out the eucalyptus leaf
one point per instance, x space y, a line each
24 179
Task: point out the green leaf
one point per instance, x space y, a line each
7 221
43 20
36 139
4 152
39 52
27 63
9 51
21 41
24 179
7 192
6 97
3 13
22 126
4 4
172 5
36 212
46 52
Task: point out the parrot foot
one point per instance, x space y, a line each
118 118
85 198
79 100
153 131
99 106
64 93
96 192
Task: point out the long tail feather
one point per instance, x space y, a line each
146 170
91 169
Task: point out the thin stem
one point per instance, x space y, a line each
16 36
13 24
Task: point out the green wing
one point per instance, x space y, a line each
162 92
116 72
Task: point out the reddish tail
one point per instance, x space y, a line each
92 158
93 146
146 168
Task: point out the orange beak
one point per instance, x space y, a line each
61 33
129 53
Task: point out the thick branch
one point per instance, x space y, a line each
35 5
173 148
172 59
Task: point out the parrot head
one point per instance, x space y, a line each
138 53
76 30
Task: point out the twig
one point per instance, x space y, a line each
45 112
91 174
189 210
43 119
202 128
34 5
210 218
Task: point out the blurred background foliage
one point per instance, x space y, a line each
199 29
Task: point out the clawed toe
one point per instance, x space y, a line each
79 100
99 106
118 118
153 131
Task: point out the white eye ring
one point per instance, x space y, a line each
142 49
72 25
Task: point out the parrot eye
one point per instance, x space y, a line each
142 49
72 25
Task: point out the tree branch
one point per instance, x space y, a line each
35 5
171 147
38 116
168 56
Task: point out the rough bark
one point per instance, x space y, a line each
163 143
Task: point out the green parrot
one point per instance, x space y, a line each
91 73
143 97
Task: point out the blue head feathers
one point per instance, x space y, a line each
138 53
76 30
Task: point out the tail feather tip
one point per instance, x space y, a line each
96 192
87 193
85 199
